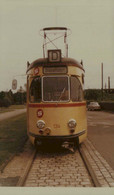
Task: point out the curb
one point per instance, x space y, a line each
100 171
28 167
89 168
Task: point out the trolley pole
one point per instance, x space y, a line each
102 79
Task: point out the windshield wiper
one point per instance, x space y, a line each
61 94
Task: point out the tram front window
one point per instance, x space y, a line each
55 89
35 90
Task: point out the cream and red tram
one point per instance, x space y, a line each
56 110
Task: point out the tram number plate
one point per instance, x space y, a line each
56 126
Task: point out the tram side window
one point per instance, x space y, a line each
35 90
76 89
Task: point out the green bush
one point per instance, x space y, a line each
92 94
96 95
6 102
1 103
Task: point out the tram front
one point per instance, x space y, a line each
56 107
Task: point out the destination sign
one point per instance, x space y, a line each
55 70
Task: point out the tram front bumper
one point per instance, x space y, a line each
44 138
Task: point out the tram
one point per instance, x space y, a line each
56 109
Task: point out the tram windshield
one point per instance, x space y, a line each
56 88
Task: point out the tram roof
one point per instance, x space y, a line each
55 28
64 62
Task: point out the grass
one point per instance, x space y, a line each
12 137
11 108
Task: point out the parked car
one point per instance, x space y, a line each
94 106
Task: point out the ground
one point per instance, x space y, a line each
101 133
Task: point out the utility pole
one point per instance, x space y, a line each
109 84
102 79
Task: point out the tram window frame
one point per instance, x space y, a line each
82 98
40 99
68 88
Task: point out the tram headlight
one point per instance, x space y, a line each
40 124
72 123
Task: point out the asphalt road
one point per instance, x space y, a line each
10 114
101 133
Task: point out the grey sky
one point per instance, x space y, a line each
92 38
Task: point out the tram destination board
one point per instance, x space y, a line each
55 70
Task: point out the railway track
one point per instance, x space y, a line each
60 168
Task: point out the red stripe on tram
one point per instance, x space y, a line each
56 105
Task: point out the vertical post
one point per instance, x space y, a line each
67 50
66 45
43 52
44 44
109 84
102 79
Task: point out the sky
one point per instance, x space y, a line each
92 38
